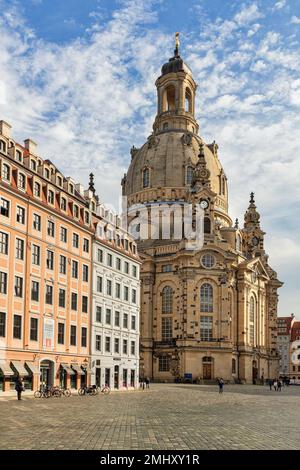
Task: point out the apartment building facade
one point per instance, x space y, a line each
115 315
46 233
284 328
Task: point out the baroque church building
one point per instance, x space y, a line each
208 312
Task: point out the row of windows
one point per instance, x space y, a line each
50 195
117 263
117 290
116 345
206 299
206 328
49 291
34 330
115 319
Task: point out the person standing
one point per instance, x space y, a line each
147 382
270 383
275 385
221 385
19 387
279 385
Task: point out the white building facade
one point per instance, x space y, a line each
116 306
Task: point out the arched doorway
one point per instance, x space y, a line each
254 371
207 365
47 372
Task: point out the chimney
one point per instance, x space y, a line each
80 189
5 129
31 146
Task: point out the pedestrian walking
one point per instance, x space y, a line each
221 385
279 385
19 387
275 385
271 383
147 380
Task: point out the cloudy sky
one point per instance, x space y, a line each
78 78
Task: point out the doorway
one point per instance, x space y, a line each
116 377
207 363
107 377
254 372
98 377
47 373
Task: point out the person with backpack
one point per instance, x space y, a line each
221 385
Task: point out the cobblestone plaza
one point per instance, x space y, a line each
166 417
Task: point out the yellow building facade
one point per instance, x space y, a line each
210 311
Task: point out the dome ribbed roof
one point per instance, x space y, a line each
175 64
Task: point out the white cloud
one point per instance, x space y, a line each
248 14
295 20
279 5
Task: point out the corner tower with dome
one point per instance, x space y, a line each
209 312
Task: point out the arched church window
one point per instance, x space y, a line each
206 298
233 366
207 225
189 174
167 300
146 178
252 314
239 243
188 100
170 98
166 125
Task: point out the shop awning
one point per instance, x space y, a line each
68 369
5 368
77 369
19 366
33 367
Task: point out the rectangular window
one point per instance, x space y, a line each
133 322
125 320
98 314
117 318
100 256
5 172
50 228
133 296
63 234
75 240
50 260
37 189
37 222
62 298
108 287
125 346
3 243
35 291
63 204
206 324
76 211
17 329
134 271
132 348
118 264
74 301
35 253
2 325
20 216
166 329
126 293
83 337
107 344
98 343
117 345
3 283
49 295
99 284
4 207
33 329
109 259
108 316
50 197
85 273
61 333
62 264
84 304
118 290
19 249
164 364
126 267
86 245
74 269
18 286
167 268
73 335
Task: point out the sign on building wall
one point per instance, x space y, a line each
48 337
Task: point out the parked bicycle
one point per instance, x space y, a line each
43 392
105 389
91 390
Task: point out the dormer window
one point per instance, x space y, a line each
146 178
2 146
37 189
76 211
6 172
47 173
19 156
63 204
71 189
93 207
59 181
33 165
51 196
21 181
87 218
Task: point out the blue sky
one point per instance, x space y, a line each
77 76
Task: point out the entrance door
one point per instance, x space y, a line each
47 373
107 377
98 376
254 371
207 371
116 377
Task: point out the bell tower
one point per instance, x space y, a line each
176 90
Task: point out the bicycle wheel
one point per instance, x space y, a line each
56 393
67 392
37 394
81 391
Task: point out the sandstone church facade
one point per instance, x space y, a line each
208 312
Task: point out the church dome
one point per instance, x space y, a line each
175 64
